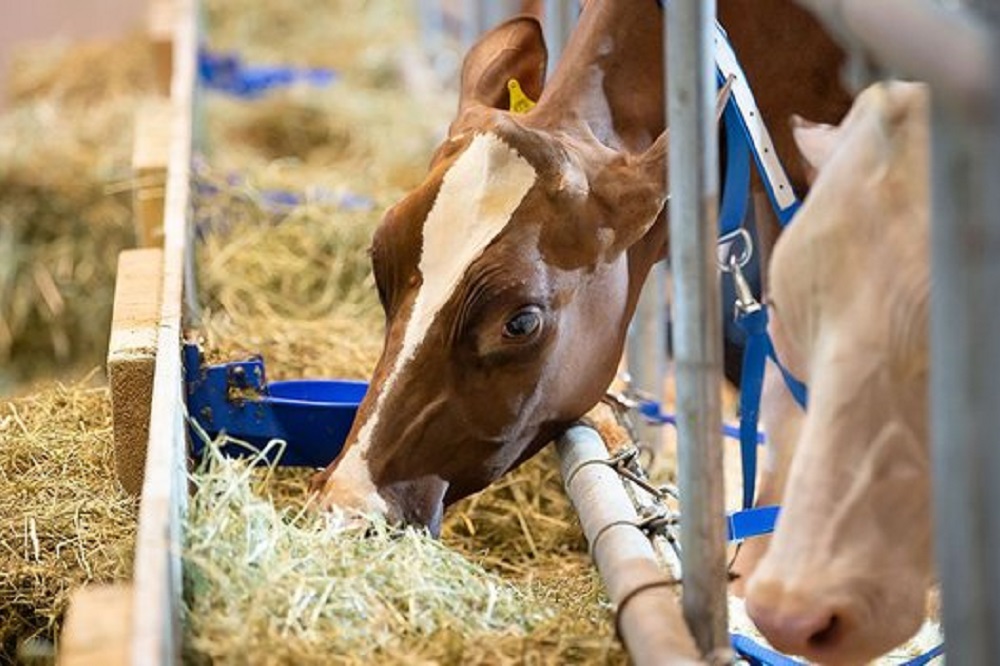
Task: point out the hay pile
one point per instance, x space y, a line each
64 520
270 581
298 587
65 207
293 280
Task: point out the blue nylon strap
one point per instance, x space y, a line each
748 523
653 412
758 655
754 324
759 348
228 73
796 387
736 182
926 657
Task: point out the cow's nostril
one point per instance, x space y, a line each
792 624
827 636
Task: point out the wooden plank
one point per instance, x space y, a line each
131 359
97 626
160 21
156 631
150 154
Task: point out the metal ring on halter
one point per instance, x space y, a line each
736 245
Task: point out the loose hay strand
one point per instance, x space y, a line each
64 519
370 589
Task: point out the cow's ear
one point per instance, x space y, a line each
635 188
816 142
515 49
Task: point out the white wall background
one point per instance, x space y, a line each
33 20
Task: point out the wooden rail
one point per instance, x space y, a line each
156 628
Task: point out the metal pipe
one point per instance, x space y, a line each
557 28
918 38
697 330
471 23
496 12
431 15
649 620
965 373
647 347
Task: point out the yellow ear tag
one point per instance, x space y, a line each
519 102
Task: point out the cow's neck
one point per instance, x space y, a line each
610 78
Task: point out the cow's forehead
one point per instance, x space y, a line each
476 200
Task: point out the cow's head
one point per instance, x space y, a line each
846 574
508 278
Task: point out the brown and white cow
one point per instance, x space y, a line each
509 276
846 574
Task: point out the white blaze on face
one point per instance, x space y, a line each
477 198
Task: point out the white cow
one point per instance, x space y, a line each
846 574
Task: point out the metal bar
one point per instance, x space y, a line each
647 347
471 23
556 32
496 12
918 38
965 373
649 618
431 15
694 189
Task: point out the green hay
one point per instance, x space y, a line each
303 587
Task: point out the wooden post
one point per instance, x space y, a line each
131 358
97 627
150 152
160 28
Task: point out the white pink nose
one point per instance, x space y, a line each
796 622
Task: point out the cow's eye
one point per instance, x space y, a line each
524 324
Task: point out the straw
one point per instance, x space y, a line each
64 519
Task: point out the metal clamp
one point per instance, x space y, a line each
746 302
736 245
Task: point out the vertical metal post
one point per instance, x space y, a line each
471 23
694 187
965 370
496 12
647 346
556 29
431 15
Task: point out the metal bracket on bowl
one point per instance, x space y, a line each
313 416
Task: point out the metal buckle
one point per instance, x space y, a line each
745 300
736 245
735 250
